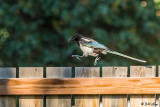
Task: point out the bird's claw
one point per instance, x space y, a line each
98 58
77 56
95 62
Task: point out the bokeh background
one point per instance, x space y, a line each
36 32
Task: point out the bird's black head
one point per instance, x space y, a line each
76 37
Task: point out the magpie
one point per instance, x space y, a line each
91 47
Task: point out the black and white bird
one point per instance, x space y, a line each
91 47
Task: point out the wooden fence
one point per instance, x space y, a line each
55 86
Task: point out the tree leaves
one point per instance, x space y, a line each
37 32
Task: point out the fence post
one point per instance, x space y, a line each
31 100
7 101
87 100
114 100
142 100
58 100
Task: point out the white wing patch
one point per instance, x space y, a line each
86 40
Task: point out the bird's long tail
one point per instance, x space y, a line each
120 54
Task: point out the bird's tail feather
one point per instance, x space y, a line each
120 54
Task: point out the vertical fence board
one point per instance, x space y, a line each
31 101
7 101
114 100
58 100
87 100
142 100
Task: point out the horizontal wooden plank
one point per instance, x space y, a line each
48 86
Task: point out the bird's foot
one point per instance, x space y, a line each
77 56
95 62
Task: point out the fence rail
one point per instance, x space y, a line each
87 86
80 86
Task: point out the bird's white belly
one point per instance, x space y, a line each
87 51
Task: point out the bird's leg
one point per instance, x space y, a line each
77 56
95 62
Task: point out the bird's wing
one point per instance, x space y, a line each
93 44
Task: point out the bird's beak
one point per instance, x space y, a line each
70 40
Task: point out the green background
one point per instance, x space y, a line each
36 32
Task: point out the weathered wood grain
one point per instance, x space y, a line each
7 101
80 86
114 100
58 100
86 100
142 100
30 101
7 73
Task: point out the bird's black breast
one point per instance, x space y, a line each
78 43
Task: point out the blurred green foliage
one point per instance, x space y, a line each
35 32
